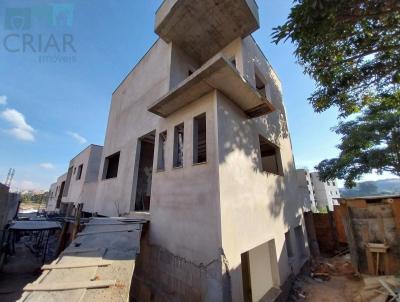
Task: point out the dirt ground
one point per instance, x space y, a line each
329 280
21 268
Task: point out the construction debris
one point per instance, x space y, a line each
379 289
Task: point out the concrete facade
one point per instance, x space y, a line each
326 193
208 214
222 223
82 178
316 193
56 194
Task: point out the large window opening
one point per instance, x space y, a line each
178 146
111 164
162 140
199 139
145 171
270 157
79 175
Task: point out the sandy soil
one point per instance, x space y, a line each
340 284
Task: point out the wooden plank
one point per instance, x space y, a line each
77 265
396 214
348 226
104 232
357 203
69 285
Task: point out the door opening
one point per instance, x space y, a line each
144 177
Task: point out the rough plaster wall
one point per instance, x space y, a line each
252 202
76 185
184 205
180 66
129 120
162 276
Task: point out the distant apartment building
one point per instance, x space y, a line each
326 193
197 138
315 193
306 189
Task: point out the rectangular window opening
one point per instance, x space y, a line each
161 151
199 139
260 85
270 157
111 166
178 145
79 175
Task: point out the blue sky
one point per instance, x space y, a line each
49 111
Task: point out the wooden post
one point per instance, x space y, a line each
350 238
77 221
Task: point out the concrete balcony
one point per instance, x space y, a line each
218 73
201 28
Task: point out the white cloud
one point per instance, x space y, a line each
3 100
80 139
21 129
47 166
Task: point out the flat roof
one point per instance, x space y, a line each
218 73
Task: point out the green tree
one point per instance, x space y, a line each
351 48
370 142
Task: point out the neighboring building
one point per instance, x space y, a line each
197 137
9 203
82 178
55 194
315 193
52 198
326 193
306 190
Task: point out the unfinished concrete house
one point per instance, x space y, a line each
82 178
56 193
79 184
197 137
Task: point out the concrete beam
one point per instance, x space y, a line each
202 28
218 73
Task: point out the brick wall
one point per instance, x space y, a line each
162 276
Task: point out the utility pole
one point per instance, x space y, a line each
10 177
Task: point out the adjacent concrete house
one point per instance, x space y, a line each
197 136
56 193
326 193
82 178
